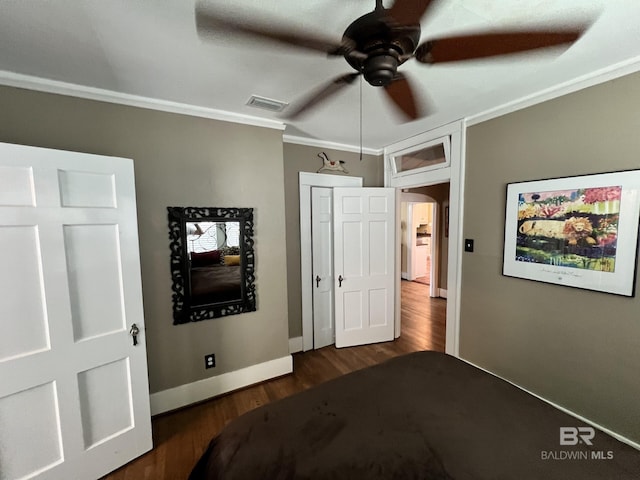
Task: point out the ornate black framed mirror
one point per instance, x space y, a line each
212 262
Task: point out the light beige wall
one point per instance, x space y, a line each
179 161
577 348
301 158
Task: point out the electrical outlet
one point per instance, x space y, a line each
210 360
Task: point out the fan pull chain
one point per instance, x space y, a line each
360 117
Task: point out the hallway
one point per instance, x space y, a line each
426 280
423 318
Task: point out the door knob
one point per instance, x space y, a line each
318 281
340 279
134 333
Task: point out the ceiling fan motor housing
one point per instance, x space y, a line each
380 68
384 45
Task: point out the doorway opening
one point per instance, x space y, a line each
424 249
446 145
419 230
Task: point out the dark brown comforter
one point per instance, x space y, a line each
215 283
421 416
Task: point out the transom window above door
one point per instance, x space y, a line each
427 156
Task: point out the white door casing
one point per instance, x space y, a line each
74 398
434 251
410 241
453 173
306 181
409 200
413 263
322 241
364 265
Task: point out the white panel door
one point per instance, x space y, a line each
74 397
364 261
322 241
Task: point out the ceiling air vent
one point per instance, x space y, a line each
266 103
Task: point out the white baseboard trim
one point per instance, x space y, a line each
615 435
184 395
404 276
295 345
442 292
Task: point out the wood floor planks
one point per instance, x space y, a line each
180 437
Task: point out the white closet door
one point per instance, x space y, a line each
74 399
322 240
364 261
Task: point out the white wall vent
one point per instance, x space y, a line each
266 103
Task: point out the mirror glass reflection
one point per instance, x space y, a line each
215 264
212 262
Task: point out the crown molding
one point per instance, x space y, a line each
39 84
45 85
312 142
591 79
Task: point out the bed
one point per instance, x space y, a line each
424 415
215 277
215 283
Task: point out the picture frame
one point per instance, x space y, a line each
577 231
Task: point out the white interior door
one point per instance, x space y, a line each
307 181
364 262
322 241
74 398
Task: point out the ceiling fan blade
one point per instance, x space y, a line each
409 12
483 45
322 93
208 22
401 94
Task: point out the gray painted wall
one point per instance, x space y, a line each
577 348
301 158
179 161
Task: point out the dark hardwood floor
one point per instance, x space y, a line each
180 437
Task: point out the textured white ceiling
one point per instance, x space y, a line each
151 49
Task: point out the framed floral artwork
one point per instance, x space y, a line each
575 231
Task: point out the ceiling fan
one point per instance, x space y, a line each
377 43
